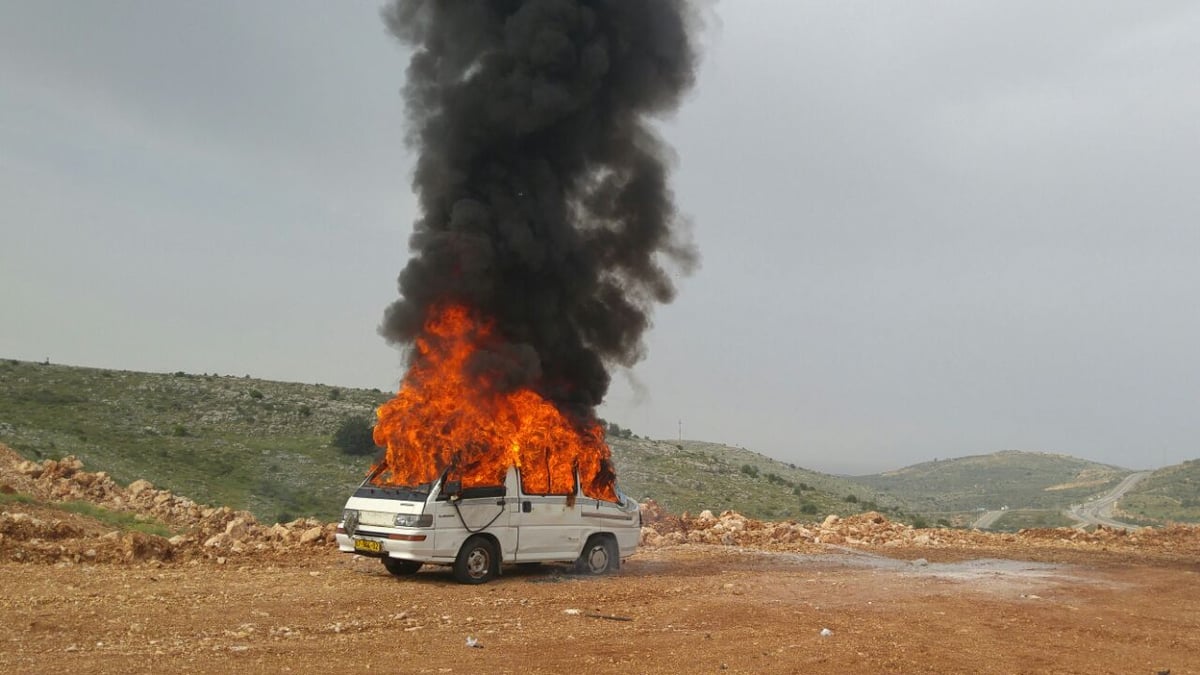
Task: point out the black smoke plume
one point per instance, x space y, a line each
544 202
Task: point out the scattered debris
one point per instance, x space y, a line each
610 617
825 632
473 643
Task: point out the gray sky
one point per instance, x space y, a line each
928 229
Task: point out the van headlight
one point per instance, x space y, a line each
414 519
350 521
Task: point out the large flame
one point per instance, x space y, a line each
448 415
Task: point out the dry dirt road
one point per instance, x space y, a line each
676 609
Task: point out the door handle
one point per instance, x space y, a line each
500 502
526 507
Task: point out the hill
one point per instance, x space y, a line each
1171 493
695 475
1019 480
264 446
253 444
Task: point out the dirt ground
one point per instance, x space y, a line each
677 609
705 593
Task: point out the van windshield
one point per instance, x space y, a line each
376 485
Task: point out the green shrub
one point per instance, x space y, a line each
750 470
256 394
355 435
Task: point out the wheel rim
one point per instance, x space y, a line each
478 562
598 559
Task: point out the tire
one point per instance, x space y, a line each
401 568
477 561
599 556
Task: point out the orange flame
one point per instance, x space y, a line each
445 415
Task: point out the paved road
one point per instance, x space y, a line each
1098 511
987 520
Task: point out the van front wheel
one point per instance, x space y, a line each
401 568
476 562
598 556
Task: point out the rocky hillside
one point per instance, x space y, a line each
1027 480
253 444
695 475
1171 493
264 446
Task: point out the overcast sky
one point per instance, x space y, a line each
928 229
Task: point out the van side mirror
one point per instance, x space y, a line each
452 487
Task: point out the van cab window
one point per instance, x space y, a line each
543 483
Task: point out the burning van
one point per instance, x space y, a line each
474 475
476 529
547 231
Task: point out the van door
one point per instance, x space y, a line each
479 509
548 527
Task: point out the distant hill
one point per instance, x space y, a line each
695 475
264 446
1024 480
1171 493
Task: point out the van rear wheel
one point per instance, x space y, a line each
401 568
599 556
476 562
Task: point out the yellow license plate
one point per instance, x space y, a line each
368 545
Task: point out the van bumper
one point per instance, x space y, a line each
406 544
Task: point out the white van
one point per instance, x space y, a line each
476 529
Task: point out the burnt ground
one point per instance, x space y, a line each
704 594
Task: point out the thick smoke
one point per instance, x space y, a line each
543 190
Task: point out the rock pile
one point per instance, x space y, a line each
202 531
733 529
874 530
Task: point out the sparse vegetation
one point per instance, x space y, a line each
1022 479
15 498
207 437
117 519
1170 494
614 430
1018 519
125 423
694 475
